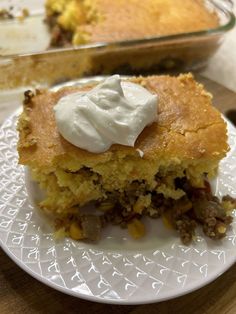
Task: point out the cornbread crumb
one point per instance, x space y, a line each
143 201
24 14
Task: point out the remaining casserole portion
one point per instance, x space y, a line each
88 21
164 175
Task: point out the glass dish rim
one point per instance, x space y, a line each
110 46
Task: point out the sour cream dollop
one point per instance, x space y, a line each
114 112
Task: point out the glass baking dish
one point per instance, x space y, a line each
25 59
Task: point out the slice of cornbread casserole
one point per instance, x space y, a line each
164 175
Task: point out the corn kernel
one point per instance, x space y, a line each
221 229
228 206
167 221
136 229
80 37
60 234
75 231
105 206
184 207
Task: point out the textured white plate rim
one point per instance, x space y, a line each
196 285
170 296
173 295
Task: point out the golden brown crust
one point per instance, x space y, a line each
188 128
153 17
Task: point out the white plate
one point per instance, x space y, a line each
117 269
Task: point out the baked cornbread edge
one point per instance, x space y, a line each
179 116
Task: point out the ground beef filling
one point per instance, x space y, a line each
198 207
59 36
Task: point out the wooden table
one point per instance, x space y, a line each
20 293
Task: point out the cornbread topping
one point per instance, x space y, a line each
79 22
112 112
